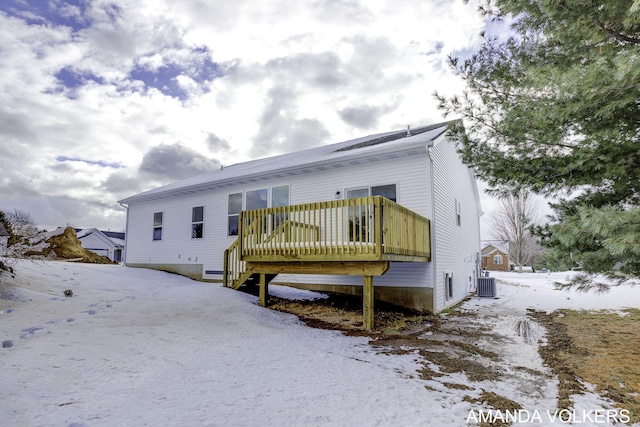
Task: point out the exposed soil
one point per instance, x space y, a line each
463 342
449 344
495 401
66 246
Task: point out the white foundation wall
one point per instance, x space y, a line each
455 247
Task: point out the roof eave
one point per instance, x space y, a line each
362 153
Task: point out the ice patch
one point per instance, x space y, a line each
527 330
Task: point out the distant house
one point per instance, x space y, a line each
106 243
400 206
4 238
495 258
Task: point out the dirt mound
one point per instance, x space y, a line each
66 246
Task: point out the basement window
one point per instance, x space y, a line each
197 222
448 285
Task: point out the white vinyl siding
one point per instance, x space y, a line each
409 174
457 235
411 177
453 246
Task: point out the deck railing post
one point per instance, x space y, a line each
378 216
240 234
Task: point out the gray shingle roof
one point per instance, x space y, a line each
299 161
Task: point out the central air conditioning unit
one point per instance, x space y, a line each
487 287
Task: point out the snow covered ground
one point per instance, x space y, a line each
137 347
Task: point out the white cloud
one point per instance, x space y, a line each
223 81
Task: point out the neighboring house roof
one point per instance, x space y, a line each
117 241
114 235
360 150
490 250
3 231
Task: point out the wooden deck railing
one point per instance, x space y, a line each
234 267
361 229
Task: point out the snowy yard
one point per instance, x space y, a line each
137 347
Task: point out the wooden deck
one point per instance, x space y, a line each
353 237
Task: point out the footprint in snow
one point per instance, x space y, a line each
7 344
90 312
29 332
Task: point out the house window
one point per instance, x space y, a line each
497 259
235 206
279 198
357 223
388 191
357 217
197 222
458 215
257 199
357 192
157 226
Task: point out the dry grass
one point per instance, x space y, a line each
607 354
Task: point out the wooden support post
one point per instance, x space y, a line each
367 303
225 269
264 290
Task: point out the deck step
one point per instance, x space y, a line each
253 279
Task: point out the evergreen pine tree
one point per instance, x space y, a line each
555 108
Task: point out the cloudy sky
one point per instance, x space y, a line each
102 99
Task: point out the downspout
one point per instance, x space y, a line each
126 235
433 228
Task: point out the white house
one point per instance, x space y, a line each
105 243
421 238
